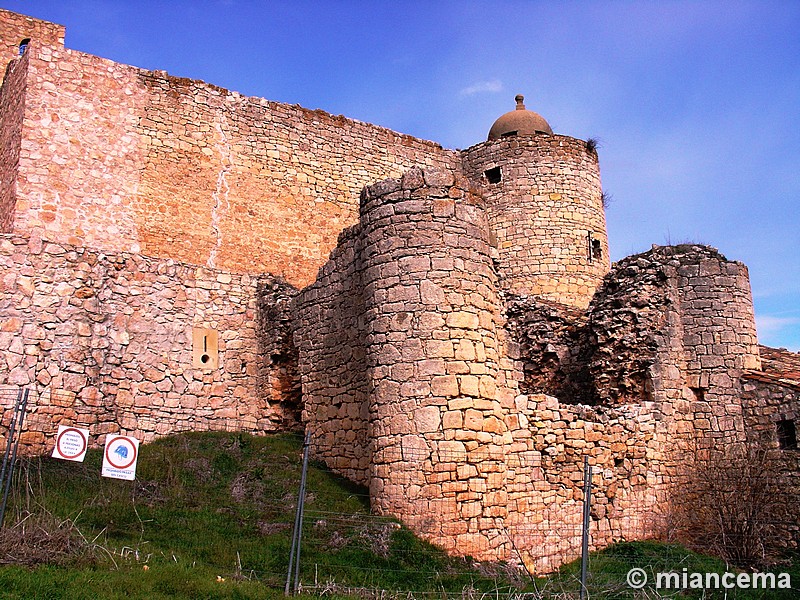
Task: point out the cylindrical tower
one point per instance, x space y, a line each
545 208
437 423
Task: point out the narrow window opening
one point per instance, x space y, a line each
494 175
590 246
597 250
509 134
23 45
787 435
204 358
205 348
618 462
699 393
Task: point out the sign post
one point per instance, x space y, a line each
119 457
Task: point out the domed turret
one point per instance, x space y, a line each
519 122
545 207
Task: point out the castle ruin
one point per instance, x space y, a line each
446 324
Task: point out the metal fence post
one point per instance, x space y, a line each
587 504
297 533
12 444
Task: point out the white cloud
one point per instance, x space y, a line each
768 325
492 87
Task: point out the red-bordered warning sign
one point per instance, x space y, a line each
119 457
71 443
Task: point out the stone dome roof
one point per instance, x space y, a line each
519 122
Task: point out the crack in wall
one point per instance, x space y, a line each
220 195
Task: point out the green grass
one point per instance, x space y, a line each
205 506
609 568
221 505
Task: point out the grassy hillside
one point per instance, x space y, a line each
210 516
207 507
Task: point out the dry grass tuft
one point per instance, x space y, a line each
40 538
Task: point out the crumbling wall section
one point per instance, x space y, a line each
549 341
277 352
634 347
672 324
659 356
108 342
12 109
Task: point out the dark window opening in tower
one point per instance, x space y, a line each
509 134
23 45
597 250
494 175
594 248
787 435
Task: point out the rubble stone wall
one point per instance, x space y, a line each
765 405
126 160
546 213
12 108
14 28
330 338
445 440
628 448
106 342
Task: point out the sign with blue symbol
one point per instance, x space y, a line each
119 457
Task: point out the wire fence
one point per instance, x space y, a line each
337 520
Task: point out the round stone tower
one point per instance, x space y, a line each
545 207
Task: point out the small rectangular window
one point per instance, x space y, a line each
494 175
787 435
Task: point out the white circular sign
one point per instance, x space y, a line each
120 452
71 443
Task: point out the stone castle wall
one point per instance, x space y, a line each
546 212
12 110
122 159
766 404
109 342
461 351
330 338
16 28
445 439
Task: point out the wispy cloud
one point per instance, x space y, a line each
769 325
483 87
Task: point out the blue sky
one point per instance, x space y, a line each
696 104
